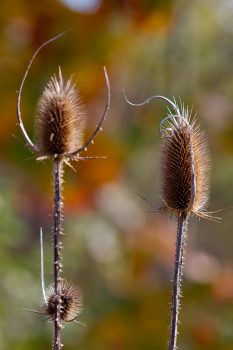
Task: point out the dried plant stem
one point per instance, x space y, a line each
57 232
176 290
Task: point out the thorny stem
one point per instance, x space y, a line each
57 231
176 290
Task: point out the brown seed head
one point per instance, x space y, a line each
60 119
185 166
71 303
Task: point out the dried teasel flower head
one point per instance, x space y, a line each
185 161
60 119
71 302
185 164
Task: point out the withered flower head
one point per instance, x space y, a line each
185 165
71 302
60 119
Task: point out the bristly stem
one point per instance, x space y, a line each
57 231
176 290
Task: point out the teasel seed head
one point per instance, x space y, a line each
185 165
71 302
60 119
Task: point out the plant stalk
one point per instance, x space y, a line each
57 231
176 289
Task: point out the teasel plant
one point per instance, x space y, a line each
185 176
59 136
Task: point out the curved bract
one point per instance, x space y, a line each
102 119
29 142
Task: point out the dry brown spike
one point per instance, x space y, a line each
60 119
185 166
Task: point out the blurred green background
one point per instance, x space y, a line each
117 252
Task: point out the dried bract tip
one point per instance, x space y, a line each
71 303
185 165
60 119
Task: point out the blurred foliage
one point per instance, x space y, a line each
118 254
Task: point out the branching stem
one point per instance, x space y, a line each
57 231
176 290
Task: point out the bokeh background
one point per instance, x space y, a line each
117 252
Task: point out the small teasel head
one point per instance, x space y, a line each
71 302
185 164
60 119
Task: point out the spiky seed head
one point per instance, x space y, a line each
185 165
71 302
60 119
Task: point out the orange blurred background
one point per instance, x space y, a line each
115 250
